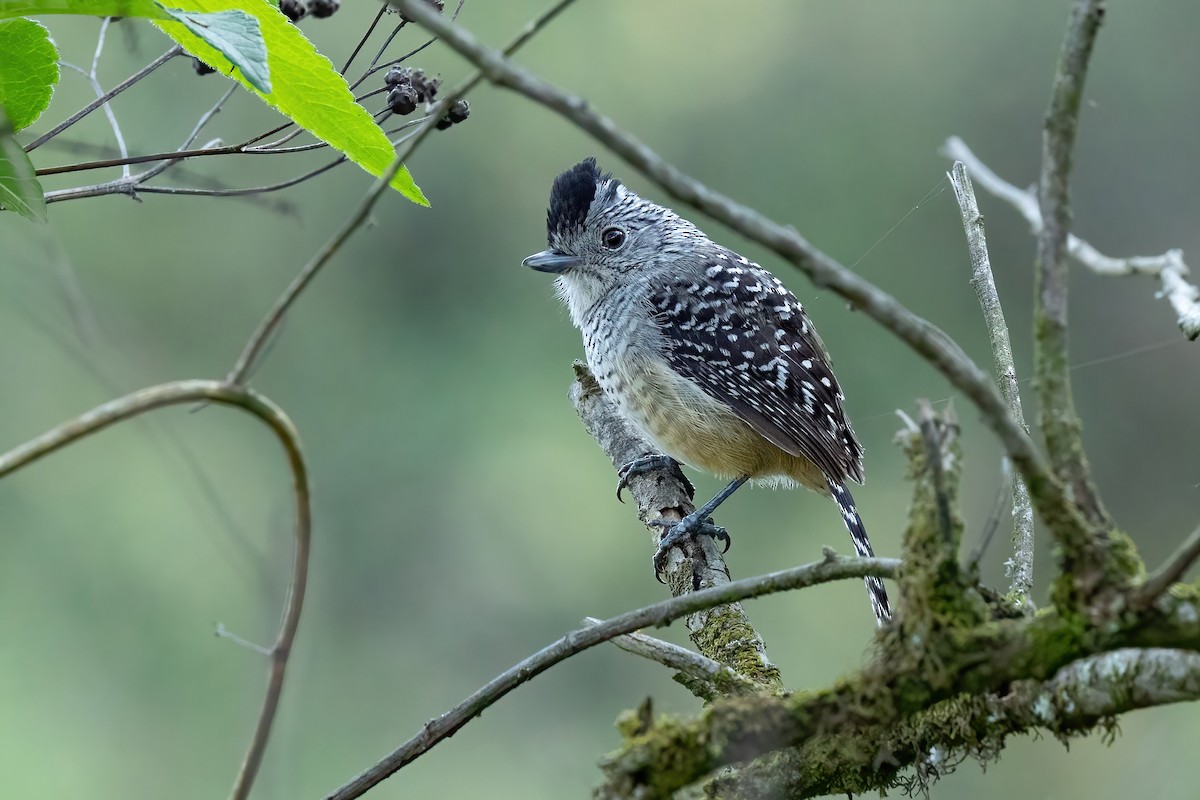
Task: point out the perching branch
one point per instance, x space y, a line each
1047 494
267 327
1169 268
722 633
1020 567
184 392
832 568
1060 423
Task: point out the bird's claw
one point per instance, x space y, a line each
646 464
689 526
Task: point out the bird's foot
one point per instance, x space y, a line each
640 466
690 526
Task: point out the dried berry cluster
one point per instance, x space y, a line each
407 87
295 10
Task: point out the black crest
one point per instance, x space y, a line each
572 195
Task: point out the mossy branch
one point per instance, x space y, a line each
966 668
1060 423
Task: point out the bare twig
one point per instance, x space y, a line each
268 325
183 392
1170 572
1060 423
1020 567
104 98
1047 494
830 569
1169 268
706 678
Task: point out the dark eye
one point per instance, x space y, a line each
613 238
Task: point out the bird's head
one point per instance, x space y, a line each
599 231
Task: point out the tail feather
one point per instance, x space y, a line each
862 545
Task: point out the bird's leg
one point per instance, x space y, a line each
640 466
698 523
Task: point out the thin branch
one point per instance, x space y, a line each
99 101
266 328
1169 268
705 678
657 615
1047 494
1020 567
181 393
1060 422
1170 572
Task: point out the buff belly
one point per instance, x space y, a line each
690 426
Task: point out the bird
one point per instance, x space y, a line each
705 353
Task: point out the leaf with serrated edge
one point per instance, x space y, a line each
305 87
19 187
28 70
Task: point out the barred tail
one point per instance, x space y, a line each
862 545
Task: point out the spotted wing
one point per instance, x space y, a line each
744 339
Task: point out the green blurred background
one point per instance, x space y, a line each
463 517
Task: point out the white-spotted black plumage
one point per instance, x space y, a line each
707 354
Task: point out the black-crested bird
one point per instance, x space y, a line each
707 354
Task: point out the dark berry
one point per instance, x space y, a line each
402 99
396 76
459 111
439 5
443 123
431 88
202 68
322 8
293 9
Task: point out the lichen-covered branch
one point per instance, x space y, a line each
722 633
1082 695
1060 423
1020 567
1169 268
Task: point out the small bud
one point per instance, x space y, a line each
402 99
459 111
293 9
439 6
323 8
202 68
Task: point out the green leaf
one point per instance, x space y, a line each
28 70
19 187
236 35
304 86
94 8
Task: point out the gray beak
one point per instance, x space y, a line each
552 261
